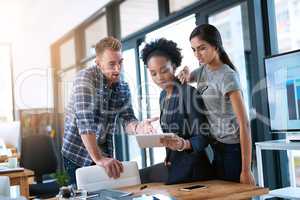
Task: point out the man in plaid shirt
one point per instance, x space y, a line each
98 98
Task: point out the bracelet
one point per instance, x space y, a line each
183 146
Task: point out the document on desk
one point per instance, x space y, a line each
4 169
151 140
109 194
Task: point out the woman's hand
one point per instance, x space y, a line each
184 75
247 177
173 142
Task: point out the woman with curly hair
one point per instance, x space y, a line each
181 114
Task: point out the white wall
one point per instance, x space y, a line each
31 26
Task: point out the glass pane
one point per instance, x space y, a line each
130 76
176 5
135 15
153 91
296 156
93 33
143 72
89 63
287 23
67 54
6 105
236 41
65 88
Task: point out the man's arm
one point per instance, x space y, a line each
89 141
84 94
112 167
131 124
145 126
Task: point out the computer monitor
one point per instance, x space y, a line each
10 133
283 88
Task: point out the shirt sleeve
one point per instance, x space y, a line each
84 103
126 112
230 83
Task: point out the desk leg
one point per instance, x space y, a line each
24 187
259 167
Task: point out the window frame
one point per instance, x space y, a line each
9 45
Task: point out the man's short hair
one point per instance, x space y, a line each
108 43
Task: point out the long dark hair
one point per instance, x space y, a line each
211 35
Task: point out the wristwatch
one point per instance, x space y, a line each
183 145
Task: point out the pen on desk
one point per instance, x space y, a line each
126 194
92 196
143 187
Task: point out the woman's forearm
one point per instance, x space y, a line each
246 147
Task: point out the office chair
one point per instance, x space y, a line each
38 154
95 178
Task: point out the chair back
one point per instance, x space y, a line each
95 178
4 186
38 155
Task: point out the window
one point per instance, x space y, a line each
135 15
236 41
176 5
65 88
6 92
67 54
130 76
93 33
287 14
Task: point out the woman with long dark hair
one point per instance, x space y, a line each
219 84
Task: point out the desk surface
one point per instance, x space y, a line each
17 174
20 178
216 189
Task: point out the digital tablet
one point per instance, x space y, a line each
151 140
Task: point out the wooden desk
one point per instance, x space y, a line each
216 190
20 178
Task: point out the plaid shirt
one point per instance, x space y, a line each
93 109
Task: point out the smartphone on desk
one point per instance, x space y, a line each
190 188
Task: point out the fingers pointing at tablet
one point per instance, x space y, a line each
146 126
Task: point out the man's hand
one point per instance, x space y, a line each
146 126
173 142
112 166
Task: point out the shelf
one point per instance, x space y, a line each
287 192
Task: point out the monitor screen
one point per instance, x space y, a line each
283 87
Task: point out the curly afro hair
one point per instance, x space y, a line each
162 47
